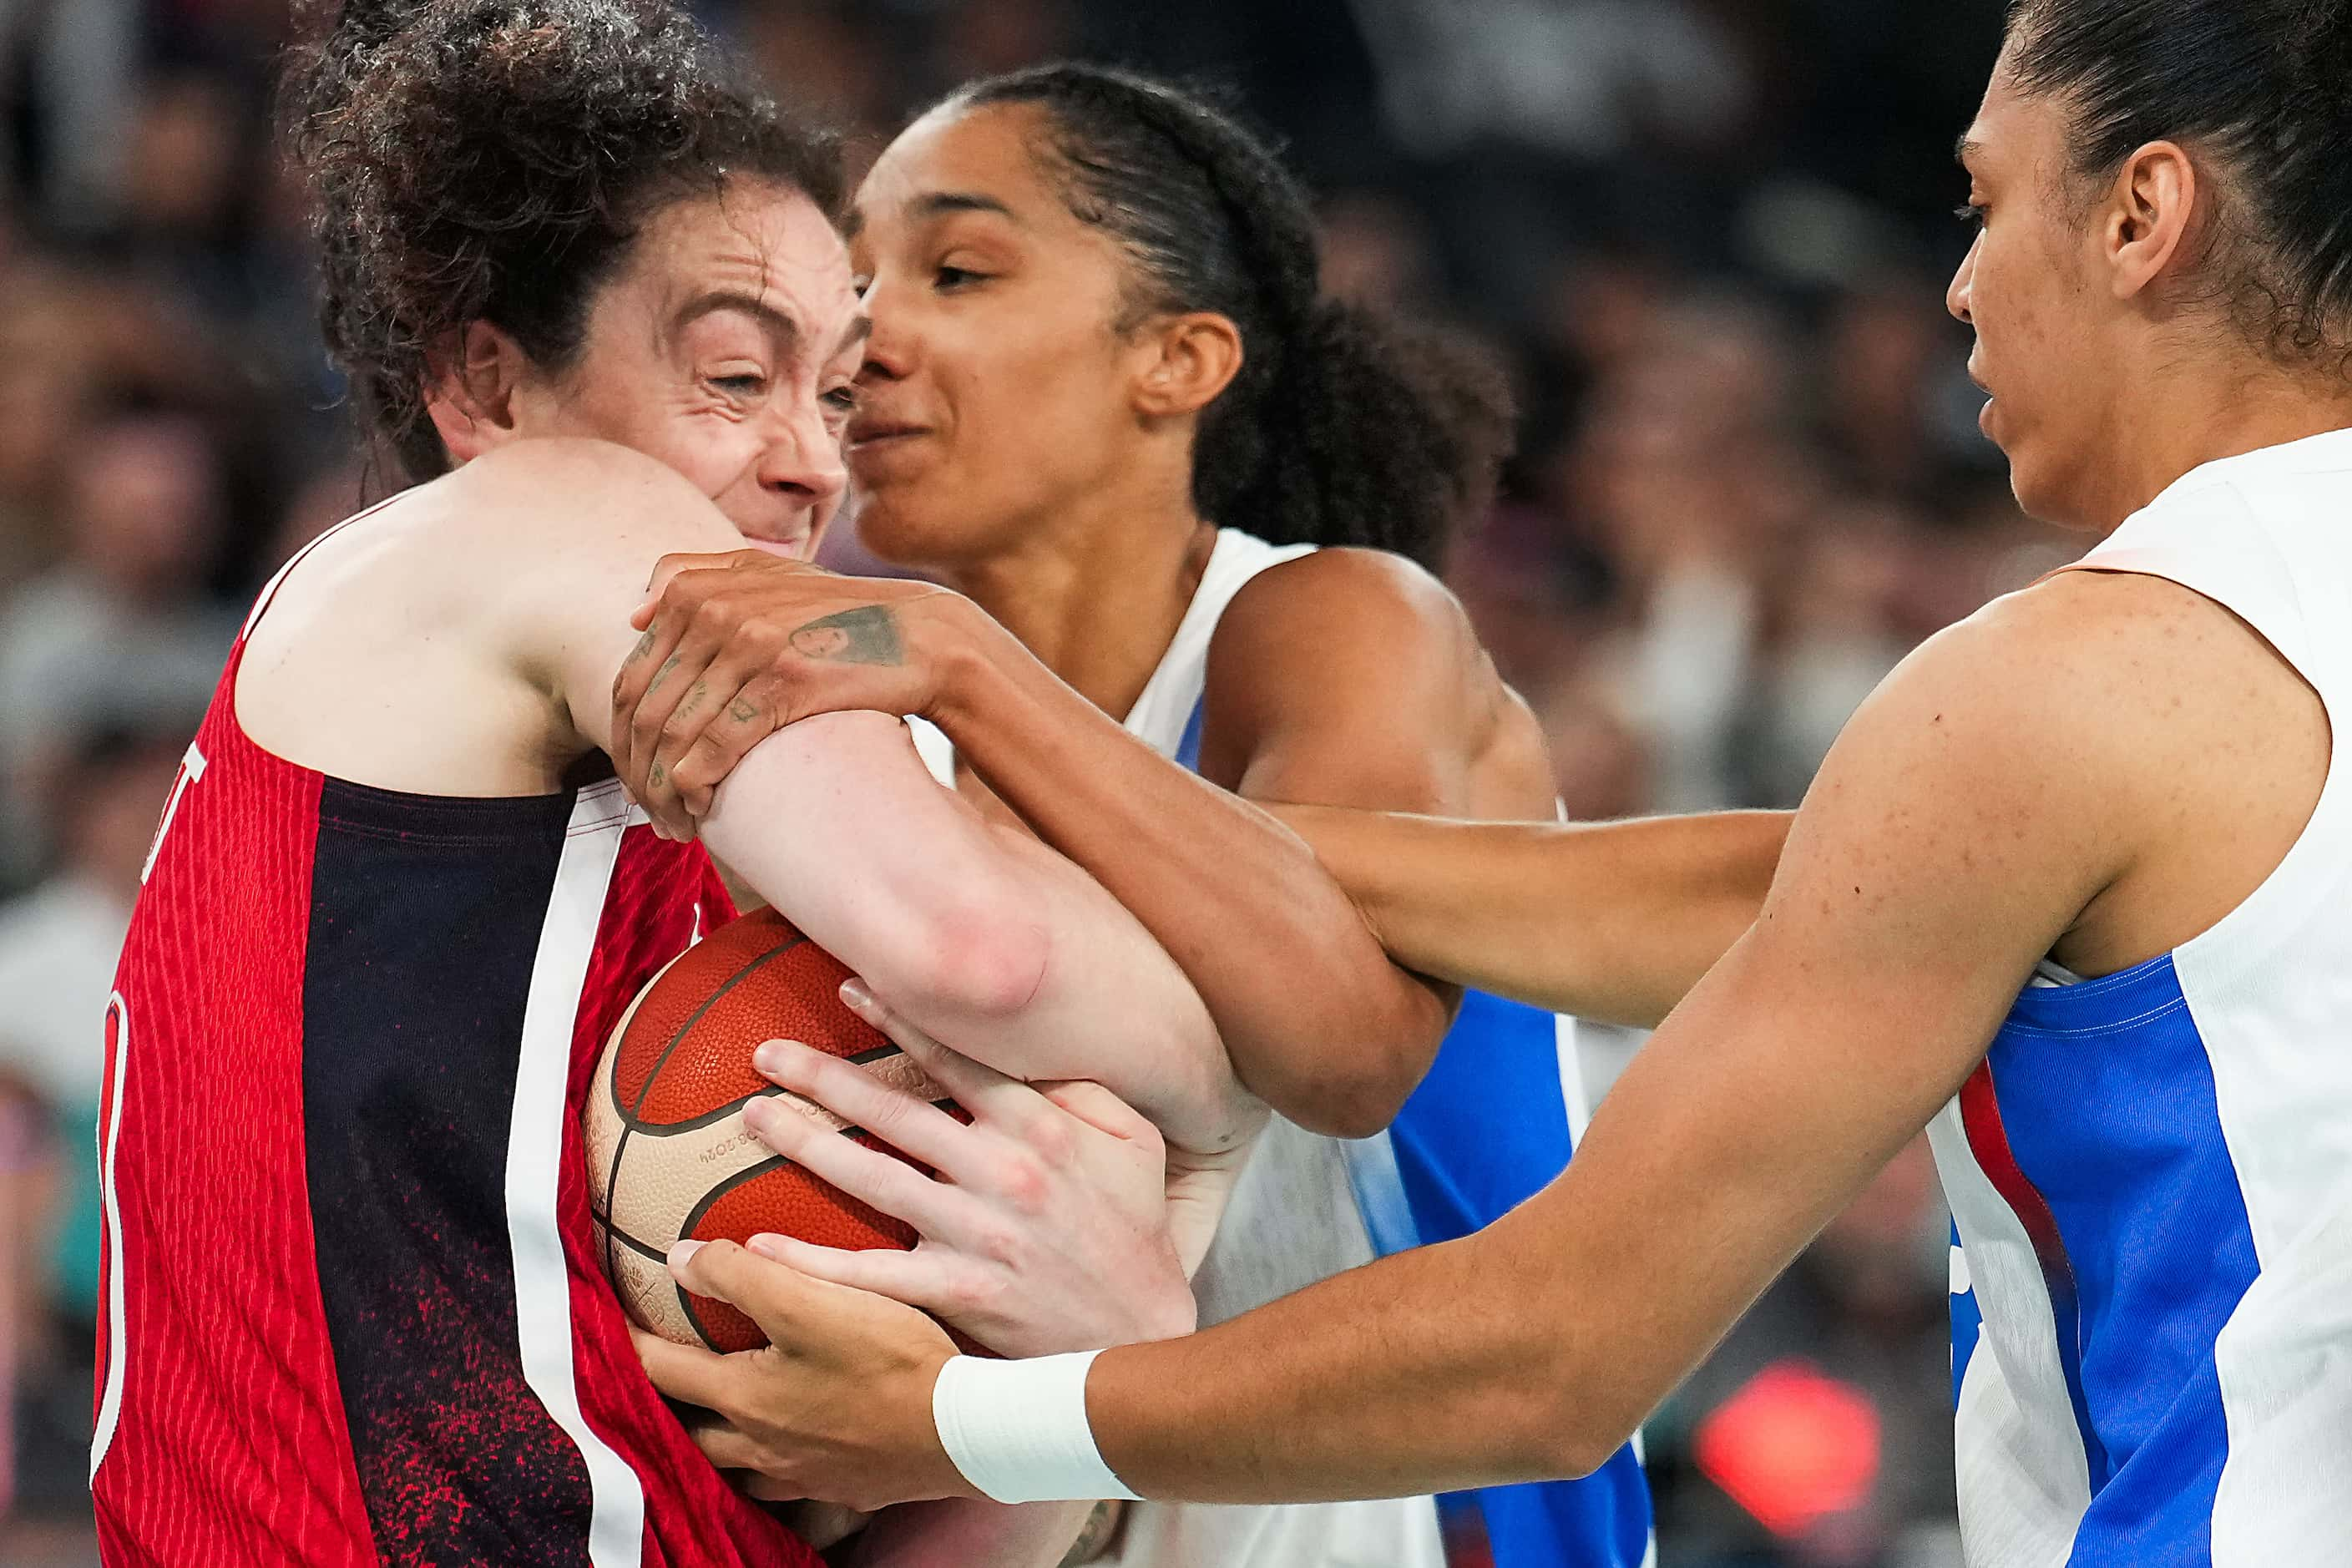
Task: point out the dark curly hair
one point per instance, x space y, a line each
493 159
2264 88
1341 427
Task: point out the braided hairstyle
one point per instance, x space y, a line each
493 159
1340 426
2262 86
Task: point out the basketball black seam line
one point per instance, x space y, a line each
628 1114
769 1091
686 1227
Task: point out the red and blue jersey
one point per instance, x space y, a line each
352 1310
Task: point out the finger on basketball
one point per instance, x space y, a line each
869 1175
912 1276
910 1125
783 1303
685 1372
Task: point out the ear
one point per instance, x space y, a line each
2150 212
1193 357
470 387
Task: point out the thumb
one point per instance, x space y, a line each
796 1310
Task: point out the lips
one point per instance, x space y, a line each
874 432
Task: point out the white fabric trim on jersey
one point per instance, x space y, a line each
2261 535
109 1405
575 908
270 589
1165 706
2024 1481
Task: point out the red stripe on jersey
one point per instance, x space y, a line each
231 1441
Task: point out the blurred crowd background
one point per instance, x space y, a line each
1710 235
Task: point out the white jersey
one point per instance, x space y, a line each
2151 1172
1493 1121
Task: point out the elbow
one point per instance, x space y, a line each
1570 1438
969 961
1347 1091
1351 1110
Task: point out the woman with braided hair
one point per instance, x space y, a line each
2072 892
594 308
1107 400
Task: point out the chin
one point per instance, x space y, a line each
899 530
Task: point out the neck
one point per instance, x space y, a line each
1098 598
2184 424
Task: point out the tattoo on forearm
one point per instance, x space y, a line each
1095 1538
867 634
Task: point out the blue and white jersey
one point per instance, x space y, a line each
2151 1172
1493 1121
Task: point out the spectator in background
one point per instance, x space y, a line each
74 61
121 625
57 946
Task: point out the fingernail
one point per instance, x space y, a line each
770 1057
682 1253
853 993
766 1247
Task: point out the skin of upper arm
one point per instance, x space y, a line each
569 533
836 822
1950 837
978 933
1349 678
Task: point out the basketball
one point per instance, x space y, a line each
669 1157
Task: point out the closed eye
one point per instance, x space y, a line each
952 278
740 385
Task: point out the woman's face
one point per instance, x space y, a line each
727 347
994 390
2033 287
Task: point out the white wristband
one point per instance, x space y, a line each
1018 1431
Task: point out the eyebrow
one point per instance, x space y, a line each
780 326
1965 149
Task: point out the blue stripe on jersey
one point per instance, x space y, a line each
1968 1322
1486 1128
2106 1094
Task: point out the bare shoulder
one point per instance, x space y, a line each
570 504
1370 650
432 647
2093 733
1347 621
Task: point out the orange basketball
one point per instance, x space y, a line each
668 1154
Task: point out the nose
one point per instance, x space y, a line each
802 457
887 346
1956 298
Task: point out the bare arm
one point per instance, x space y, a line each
1614 920
1954 833
974 932
1352 695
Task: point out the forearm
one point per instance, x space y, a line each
1317 1021
1279 1405
978 934
1611 921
